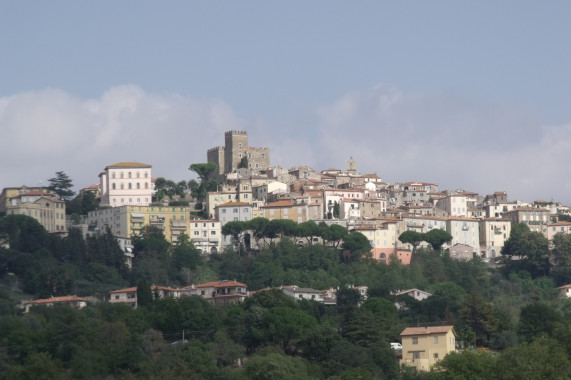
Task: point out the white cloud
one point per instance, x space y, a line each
455 141
49 130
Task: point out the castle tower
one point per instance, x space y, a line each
235 148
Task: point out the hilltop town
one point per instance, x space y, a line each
247 186
335 270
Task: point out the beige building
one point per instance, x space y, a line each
242 192
537 219
126 183
464 231
383 236
422 347
558 228
493 234
39 203
454 205
126 221
286 209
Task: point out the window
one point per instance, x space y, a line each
196 233
138 185
212 232
235 211
122 186
129 174
146 185
435 339
113 186
113 175
436 356
130 186
414 340
416 355
224 211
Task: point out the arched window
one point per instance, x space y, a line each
138 185
113 175
129 174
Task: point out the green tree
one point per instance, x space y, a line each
537 319
144 293
357 244
466 365
542 359
375 323
413 238
436 238
62 185
479 317
530 248
206 180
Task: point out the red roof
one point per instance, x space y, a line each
222 284
426 330
59 299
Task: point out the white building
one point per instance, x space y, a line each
206 235
126 183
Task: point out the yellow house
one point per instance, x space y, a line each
422 347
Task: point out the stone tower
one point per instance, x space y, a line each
235 147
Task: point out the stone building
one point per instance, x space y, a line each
236 152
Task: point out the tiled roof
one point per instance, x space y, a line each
129 164
426 330
126 290
59 299
221 284
279 204
230 204
561 223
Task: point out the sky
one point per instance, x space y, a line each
468 95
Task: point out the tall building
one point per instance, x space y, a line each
237 153
126 183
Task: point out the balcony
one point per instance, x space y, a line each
178 225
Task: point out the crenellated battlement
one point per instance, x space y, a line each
216 149
228 133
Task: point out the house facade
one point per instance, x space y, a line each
127 221
285 209
206 235
464 231
422 347
126 183
558 228
493 234
39 203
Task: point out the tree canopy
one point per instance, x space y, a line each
62 185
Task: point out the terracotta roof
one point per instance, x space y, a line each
128 164
230 204
279 204
561 223
59 299
565 286
426 330
126 290
221 284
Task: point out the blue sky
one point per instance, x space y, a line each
473 95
